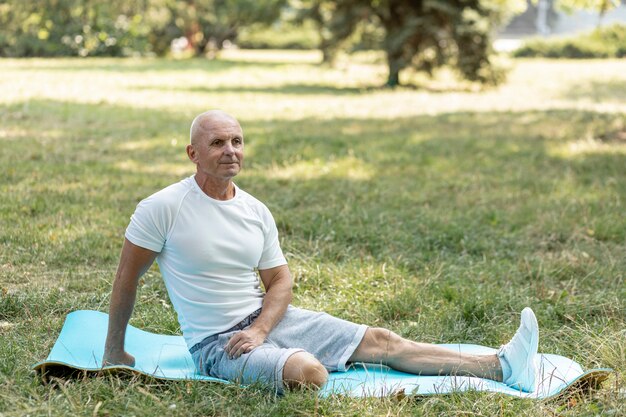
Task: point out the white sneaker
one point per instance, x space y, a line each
520 353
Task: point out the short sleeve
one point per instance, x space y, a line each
272 255
149 224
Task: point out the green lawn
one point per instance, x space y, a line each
439 212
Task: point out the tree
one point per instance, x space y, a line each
335 22
423 34
208 24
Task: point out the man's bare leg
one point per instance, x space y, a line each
384 346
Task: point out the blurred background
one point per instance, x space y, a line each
423 35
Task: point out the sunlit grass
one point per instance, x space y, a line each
187 87
438 211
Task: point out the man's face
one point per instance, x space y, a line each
218 149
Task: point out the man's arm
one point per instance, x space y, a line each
134 262
277 282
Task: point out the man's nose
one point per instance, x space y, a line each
229 149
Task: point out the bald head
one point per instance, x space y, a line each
216 148
208 121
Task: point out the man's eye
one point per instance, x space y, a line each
216 142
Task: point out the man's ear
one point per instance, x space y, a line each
191 153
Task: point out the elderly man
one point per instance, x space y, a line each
211 239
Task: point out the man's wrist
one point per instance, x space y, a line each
261 328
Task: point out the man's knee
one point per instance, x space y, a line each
303 370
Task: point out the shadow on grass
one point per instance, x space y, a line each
301 89
463 184
130 65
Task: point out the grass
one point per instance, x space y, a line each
439 212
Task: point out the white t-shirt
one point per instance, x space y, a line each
209 251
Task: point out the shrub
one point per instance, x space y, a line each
279 36
607 42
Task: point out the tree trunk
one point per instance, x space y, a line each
329 53
325 45
394 64
200 47
543 7
327 56
603 9
393 45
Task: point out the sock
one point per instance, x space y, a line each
506 368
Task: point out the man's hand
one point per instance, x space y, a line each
277 283
118 358
244 341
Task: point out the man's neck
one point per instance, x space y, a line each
216 188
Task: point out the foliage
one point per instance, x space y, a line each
72 27
439 213
125 27
335 21
606 42
421 34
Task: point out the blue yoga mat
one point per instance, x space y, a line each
80 346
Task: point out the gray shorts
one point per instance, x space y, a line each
331 340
